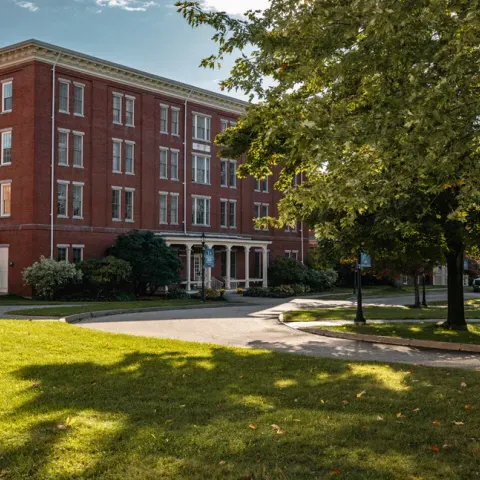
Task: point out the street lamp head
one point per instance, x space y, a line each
203 236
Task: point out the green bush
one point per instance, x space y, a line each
320 280
48 277
177 293
286 271
282 291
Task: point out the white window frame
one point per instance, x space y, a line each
120 97
78 247
130 143
81 185
67 147
65 247
224 204
208 121
160 196
223 125
163 151
294 255
164 108
234 203
81 86
174 221
130 98
132 191
267 205
7 81
224 164
4 183
175 133
195 199
66 183
206 177
3 134
62 81
76 133
119 218
119 142
234 163
257 205
174 152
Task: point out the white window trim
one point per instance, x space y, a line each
78 247
67 83
177 151
194 124
130 220
205 197
2 183
234 214
78 184
228 173
66 246
120 96
163 194
224 161
7 81
82 86
67 183
175 109
119 219
174 194
79 134
163 149
265 229
119 142
67 131
162 105
132 143
130 97
195 156
2 134
224 201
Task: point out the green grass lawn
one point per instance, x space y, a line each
81 404
94 307
422 331
17 300
372 313
344 293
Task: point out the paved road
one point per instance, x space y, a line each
256 326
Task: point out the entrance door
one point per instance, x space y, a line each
4 269
197 267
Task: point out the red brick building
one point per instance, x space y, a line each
91 149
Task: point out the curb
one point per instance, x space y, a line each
448 346
78 317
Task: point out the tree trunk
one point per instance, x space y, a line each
456 308
416 291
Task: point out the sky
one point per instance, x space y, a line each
145 34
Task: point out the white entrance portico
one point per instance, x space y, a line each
225 246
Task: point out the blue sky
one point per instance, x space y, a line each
146 34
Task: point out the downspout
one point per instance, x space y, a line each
185 164
52 187
301 224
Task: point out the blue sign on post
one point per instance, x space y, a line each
465 264
365 260
209 258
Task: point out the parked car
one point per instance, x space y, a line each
476 285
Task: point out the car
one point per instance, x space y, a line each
476 285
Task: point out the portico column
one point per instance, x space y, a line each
229 268
188 267
265 266
247 266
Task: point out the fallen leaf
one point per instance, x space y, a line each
434 448
364 427
379 418
69 421
36 385
446 445
61 426
345 402
253 426
458 423
436 422
416 410
222 462
359 395
275 426
241 376
281 432
463 385
322 401
336 472
170 421
468 407
296 420
400 415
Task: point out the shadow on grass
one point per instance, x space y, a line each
178 415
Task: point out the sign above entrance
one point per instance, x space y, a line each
209 258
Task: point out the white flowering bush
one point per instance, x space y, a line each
48 277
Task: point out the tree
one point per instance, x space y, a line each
153 263
372 101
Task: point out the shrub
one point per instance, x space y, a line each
300 289
286 271
282 291
320 280
256 292
177 293
48 277
240 291
222 292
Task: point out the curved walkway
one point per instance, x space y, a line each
256 326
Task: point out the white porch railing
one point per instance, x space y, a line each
217 284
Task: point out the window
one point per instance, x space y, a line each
201 127
223 213
265 213
129 111
174 209
78 99
117 108
62 199
223 125
260 211
77 190
129 157
174 164
201 211
7 96
129 199
294 255
63 147
117 156
163 207
201 169
223 173
78 149
287 253
163 118
232 214
6 145
6 199
77 253
163 162
62 253
261 185
175 115
63 96
116 204
233 174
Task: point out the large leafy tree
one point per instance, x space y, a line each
371 100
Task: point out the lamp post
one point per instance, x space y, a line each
203 266
359 318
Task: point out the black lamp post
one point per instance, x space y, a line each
203 266
359 318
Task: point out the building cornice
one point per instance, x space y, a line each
31 50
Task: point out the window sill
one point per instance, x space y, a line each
200 225
130 173
116 171
7 111
129 221
76 166
5 216
202 183
62 216
130 126
63 165
173 223
77 218
117 123
6 164
163 223
64 112
174 179
201 140
79 115
161 131
116 220
175 135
